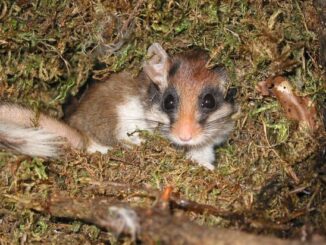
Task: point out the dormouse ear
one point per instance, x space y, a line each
157 65
223 78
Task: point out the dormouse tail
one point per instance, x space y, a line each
30 141
34 134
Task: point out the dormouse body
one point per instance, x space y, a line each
177 95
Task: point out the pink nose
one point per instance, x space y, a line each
185 133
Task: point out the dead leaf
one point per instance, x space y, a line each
165 197
300 108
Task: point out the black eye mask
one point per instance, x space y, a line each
154 94
170 100
209 101
231 94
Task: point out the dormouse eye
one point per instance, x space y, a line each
208 102
169 102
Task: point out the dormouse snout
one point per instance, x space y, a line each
186 129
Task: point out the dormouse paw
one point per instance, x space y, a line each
94 147
134 139
203 156
207 165
131 139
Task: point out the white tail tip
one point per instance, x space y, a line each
30 141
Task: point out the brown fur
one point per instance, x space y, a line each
97 115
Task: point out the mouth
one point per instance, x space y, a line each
195 142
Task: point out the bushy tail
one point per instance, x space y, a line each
48 138
30 141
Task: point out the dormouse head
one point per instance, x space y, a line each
191 95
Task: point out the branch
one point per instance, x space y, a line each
148 225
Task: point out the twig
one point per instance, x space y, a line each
149 225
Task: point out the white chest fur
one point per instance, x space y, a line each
131 117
